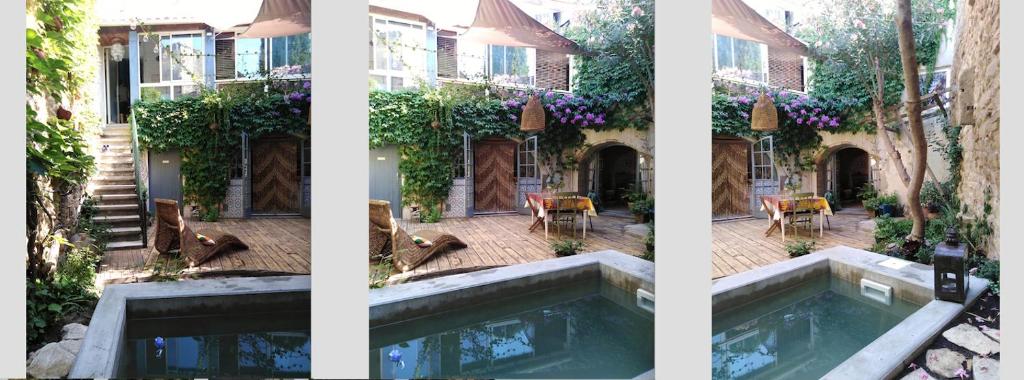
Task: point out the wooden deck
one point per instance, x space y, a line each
276 246
500 240
740 245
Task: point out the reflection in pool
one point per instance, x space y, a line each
800 333
572 332
264 345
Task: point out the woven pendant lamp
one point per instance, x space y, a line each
533 116
764 116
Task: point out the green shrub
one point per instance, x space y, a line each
800 248
644 206
867 192
889 230
649 243
989 269
47 303
430 214
566 247
78 270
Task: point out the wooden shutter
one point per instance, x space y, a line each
225 59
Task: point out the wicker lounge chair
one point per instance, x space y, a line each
172 233
406 253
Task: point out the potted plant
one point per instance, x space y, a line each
642 209
566 247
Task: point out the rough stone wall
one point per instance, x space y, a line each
977 55
785 71
552 70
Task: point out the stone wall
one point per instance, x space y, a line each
976 108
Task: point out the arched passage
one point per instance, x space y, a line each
609 171
843 171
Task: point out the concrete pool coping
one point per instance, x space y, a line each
887 355
101 350
405 301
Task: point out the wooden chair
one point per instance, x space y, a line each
406 253
801 214
172 233
565 211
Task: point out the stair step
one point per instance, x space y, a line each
114 187
114 178
125 230
111 197
124 244
115 218
114 161
128 206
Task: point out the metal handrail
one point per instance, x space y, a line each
139 185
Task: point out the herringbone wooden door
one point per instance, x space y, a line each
730 190
494 173
275 180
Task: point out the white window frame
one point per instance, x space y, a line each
171 84
269 58
531 61
389 74
764 58
266 63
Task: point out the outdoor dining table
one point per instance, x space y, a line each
778 205
542 204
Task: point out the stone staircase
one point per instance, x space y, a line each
113 187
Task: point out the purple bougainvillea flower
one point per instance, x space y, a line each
296 111
786 107
833 123
803 112
585 123
799 121
582 108
564 120
816 110
307 85
825 118
792 114
520 93
744 100
820 125
560 102
551 107
549 94
590 116
599 120
745 115
567 110
783 93
513 117
812 119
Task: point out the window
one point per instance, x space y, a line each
171 65
290 55
741 59
528 158
250 57
513 65
397 53
936 81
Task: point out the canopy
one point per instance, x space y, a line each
499 22
280 18
736 19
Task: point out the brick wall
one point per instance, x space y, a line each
785 71
447 58
552 70
977 55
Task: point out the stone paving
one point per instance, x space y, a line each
951 364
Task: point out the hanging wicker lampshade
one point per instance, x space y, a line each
764 117
533 116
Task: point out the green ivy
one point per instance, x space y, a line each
206 129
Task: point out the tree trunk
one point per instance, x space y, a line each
908 57
883 135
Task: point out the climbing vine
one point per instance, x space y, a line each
206 129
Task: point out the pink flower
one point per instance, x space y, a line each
637 12
859 24
799 121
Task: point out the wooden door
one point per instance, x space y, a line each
275 176
730 187
494 176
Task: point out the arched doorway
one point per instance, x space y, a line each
845 171
610 172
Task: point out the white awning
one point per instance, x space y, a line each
736 19
280 18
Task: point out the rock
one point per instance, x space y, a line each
992 333
918 374
71 346
637 230
985 368
73 331
866 225
945 362
969 337
51 361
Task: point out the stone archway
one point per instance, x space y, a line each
609 170
843 170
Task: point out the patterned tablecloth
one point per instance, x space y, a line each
544 202
783 203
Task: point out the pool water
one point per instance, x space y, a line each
575 331
273 344
800 333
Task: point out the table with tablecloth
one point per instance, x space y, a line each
542 205
778 205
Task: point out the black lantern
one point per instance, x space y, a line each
951 276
